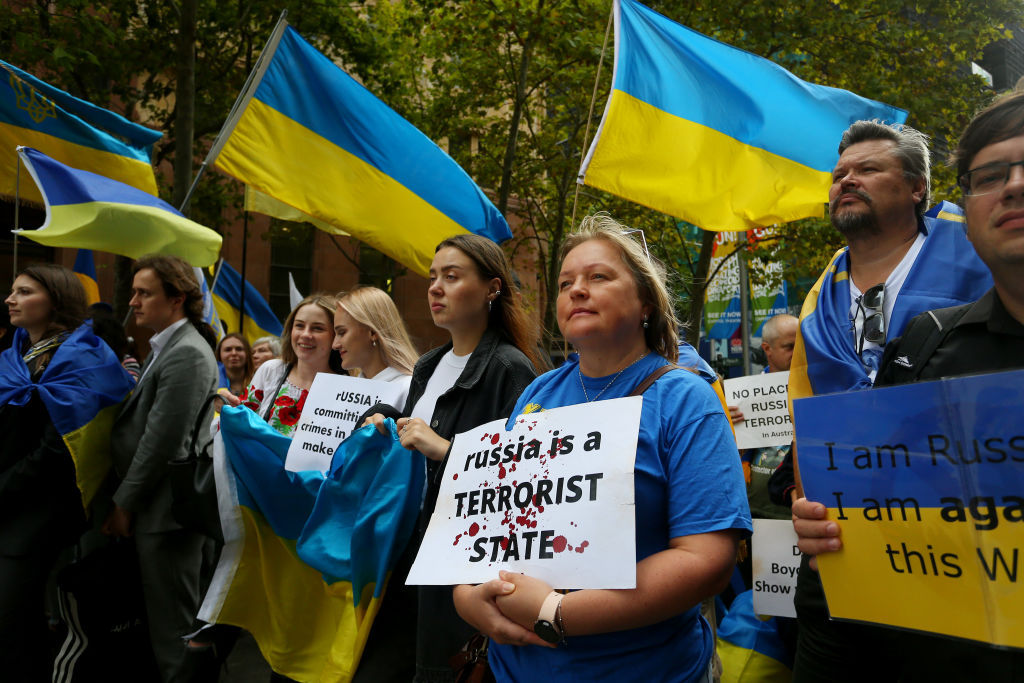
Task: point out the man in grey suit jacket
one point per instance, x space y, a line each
151 429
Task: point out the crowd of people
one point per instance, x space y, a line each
70 371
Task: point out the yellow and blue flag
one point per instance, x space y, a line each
946 272
35 114
315 139
91 211
82 388
85 271
307 556
260 321
712 134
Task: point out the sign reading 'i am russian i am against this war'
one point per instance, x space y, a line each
552 498
926 482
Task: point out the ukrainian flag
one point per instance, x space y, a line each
85 271
714 135
315 139
260 321
82 388
90 211
36 114
307 556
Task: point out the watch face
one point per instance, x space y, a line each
546 630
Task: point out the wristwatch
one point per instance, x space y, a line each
546 625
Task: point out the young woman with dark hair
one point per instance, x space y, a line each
57 372
474 378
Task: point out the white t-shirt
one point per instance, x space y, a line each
395 375
871 355
446 374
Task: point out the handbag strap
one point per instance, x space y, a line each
200 421
652 378
277 390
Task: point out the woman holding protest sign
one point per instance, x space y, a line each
473 379
279 388
690 500
371 338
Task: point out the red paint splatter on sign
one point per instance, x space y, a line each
582 546
474 529
558 543
494 439
455 476
457 539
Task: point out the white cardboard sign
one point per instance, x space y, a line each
552 498
332 407
764 401
775 562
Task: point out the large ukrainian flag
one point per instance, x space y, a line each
315 139
260 321
714 135
307 556
36 114
90 211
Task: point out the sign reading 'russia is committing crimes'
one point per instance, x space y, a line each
552 497
927 484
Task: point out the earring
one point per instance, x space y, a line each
497 293
374 343
645 322
489 304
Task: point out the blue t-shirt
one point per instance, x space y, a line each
688 480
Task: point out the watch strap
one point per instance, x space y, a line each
549 607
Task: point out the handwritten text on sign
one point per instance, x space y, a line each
763 399
552 498
332 407
927 484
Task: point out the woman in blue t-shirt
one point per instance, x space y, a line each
691 508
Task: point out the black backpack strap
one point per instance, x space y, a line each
199 424
923 336
652 378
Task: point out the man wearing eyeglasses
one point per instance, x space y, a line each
900 261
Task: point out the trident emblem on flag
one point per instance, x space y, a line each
38 107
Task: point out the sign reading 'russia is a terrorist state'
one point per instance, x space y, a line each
552 498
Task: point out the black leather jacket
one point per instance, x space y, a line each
488 388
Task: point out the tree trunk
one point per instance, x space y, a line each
184 101
504 189
698 287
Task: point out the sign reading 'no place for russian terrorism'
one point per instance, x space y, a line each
763 399
552 498
927 484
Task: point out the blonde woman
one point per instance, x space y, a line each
371 339
691 507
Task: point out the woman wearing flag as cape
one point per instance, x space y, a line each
60 385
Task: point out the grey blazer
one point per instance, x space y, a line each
155 423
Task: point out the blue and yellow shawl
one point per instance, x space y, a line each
947 272
82 388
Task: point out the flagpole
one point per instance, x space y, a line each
241 102
590 114
17 215
241 302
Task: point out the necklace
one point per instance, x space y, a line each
584 387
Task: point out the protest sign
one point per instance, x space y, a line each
926 482
763 399
329 415
552 498
775 560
